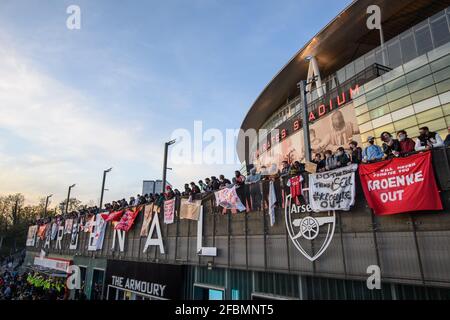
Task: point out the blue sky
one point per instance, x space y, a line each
76 102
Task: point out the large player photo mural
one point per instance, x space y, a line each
336 129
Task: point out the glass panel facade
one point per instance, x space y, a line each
420 59
406 95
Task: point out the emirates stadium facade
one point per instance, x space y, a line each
365 89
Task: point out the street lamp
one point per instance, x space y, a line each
46 204
166 150
103 186
68 197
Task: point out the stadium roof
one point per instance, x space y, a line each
340 42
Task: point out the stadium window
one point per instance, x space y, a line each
440 30
395 84
435 125
441 63
363 118
377 102
394 53
446 109
359 65
361 109
388 128
369 59
441 75
423 94
423 38
400 103
418 73
379 112
443 86
421 83
349 70
430 115
405 123
394 95
412 131
408 46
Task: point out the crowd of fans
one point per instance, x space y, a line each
31 286
251 192
392 147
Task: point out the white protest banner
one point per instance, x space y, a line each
228 199
332 190
31 236
68 226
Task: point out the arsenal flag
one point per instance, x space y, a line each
401 185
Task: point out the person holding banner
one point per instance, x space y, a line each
428 140
372 152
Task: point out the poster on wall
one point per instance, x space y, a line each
330 132
42 231
169 211
393 186
97 234
190 209
148 213
333 190
31 235
74 236
68 226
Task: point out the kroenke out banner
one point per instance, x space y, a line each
401 185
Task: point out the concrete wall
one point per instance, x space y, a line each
409 248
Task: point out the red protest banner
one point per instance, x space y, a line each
401 185
113 216
127 220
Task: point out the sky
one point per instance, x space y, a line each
76 102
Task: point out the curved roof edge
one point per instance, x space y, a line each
340 42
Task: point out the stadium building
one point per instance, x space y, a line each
361 88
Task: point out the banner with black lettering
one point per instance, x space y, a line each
333 190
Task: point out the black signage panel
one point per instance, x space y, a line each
152 279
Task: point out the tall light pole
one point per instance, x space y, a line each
166 150
103 187
46 204
68 197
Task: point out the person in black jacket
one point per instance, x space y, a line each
391 146
319 162
215 183
223 181
356 153
342 159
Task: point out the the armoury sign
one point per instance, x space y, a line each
305 226
160 281
333 190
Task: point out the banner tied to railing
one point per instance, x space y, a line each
332 190
401 185
228 199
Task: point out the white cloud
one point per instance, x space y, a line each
57 132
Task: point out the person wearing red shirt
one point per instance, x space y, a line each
407 145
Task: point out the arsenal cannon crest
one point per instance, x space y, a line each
310 232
